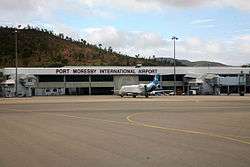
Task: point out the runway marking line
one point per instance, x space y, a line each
16 110
88 118
183 130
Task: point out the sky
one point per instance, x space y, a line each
212 30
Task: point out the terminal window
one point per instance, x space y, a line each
102 91
168 87
171 77
51 78
77 78
228 75
248 89
102 78
146 77
248 79
77 91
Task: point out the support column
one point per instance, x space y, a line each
245 87
161 81
114 87
64 84
239 84
90 85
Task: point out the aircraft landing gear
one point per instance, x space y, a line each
145 90
134 96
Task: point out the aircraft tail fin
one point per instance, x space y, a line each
153 84
156 79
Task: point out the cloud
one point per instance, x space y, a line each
145 5
149 5
238 4
133 5
148 44
66 30
26 11
202 21
32 11
241 44
110 36
43 11
49 14
24 5
184 3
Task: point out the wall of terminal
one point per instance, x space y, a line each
109 84
112 70
108 80
98 84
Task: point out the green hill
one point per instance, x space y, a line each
202 63
193 64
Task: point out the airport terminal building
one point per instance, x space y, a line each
103 80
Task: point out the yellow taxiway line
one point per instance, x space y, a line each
129 119
131 122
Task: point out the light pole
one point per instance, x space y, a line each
174 39
16 82
16 93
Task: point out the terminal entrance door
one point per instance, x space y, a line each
33 91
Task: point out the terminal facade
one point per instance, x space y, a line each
107 80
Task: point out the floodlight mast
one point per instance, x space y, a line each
174 38
16 59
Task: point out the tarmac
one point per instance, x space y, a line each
100 131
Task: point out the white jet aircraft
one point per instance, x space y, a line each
141 89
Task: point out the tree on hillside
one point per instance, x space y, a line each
57 60
83 42
110 50
61 35
154 57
